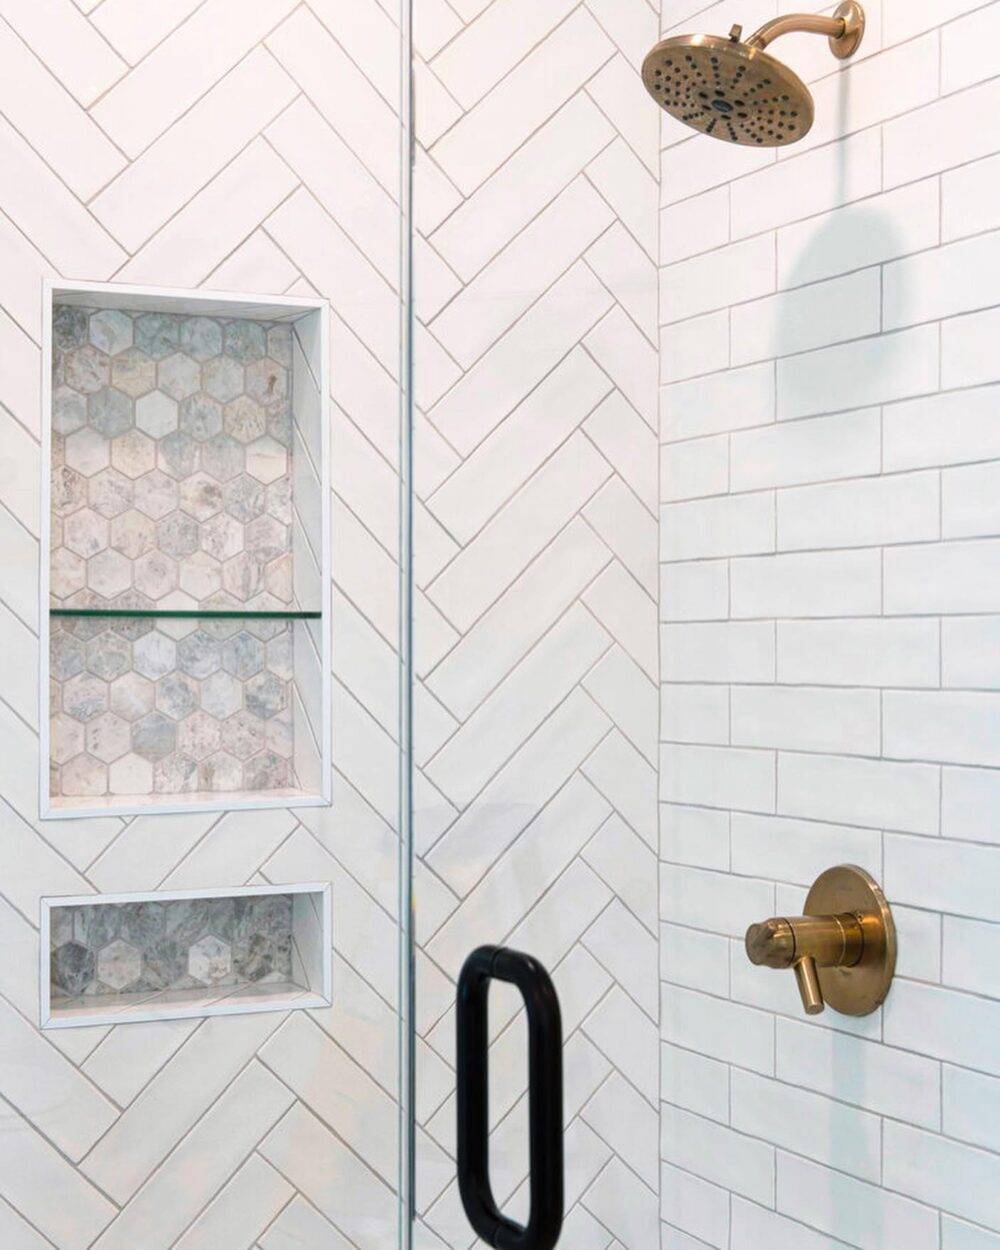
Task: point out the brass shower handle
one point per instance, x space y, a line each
804 943
845 29
842 951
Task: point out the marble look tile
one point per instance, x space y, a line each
112 950
171 486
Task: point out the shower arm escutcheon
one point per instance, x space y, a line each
842 951
845 29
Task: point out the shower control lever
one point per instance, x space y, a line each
842 951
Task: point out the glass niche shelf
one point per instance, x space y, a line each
185 592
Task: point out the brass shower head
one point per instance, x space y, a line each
733 90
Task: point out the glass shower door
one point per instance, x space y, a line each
534 570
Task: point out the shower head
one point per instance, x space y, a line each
736 91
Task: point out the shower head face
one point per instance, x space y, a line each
728 90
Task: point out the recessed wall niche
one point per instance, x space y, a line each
185 585
128 958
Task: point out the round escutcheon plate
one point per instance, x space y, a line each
856 991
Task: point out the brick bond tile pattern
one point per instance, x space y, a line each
830 607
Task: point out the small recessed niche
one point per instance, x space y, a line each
186 568
128 958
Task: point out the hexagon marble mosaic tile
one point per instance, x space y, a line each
172 706
171 481
181 944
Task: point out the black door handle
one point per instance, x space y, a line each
545 1099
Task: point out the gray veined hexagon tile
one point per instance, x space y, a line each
154 655
199 654
266 381
132 696
242 576
222 537
109 949
210 961
85 532
200 576
157 334
265 695
177 454
266 771
220 772
84 696
111 331
155 574
200 337
178 376
119 964
223 379
279 423
154 736
200 416
201 497
69 410
110 492
156 414
87 451
243 655
84 776
171 487
73 968
67 574
221 695
133 453
86 369
131 775
245 341
177 695
177 535
177 774
222 457
109 573
69 326
133 534
156 494
267 460
66 737
244 498
243 735
110 412
108 737
109 655
199 735
133 372
244 419
69 490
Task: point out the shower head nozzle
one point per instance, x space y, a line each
734 90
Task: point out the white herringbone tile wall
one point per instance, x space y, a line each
536 538
244 145
830 627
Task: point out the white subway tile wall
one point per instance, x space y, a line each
829 641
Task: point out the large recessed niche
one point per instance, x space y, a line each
185 571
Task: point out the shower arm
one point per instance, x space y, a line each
844 30
808 23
